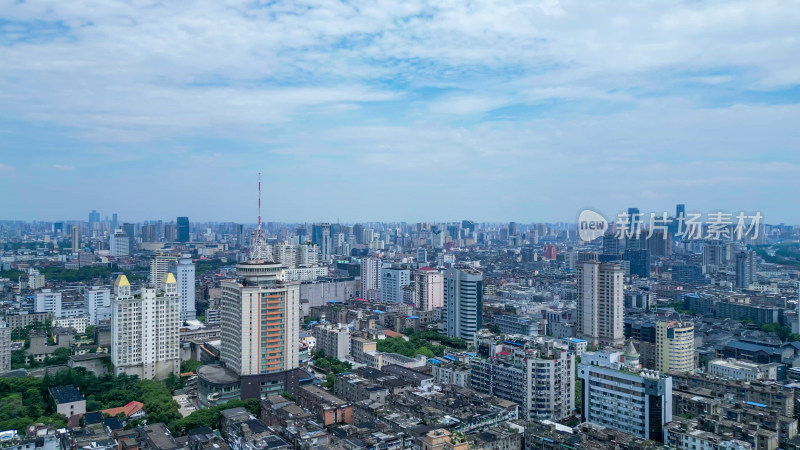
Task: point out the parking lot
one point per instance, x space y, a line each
186 404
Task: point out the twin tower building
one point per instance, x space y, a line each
260 320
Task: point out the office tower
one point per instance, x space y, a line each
393 280
640 262
114 222
745 269
463 302
182 227
611 245
149 233
680 210
634 218
616 394
675 346
512 228
713 256
600 303
321 235
260 317
540 380
371 278
358 232
145 338
428 288
97 301
119 244
184 273
160 265
48 301
58 228
94 217
130 230
76 239
5 347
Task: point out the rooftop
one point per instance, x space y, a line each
66 394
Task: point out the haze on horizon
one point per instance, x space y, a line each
398 111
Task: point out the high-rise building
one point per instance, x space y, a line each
371 278
5 347
640 262
680 210
260 319
97 301
76 238
512 229
745 269
182 227
114 222
145 338
428 288
634 217
540 380
660 243
617 394
321 235
170 232
713 256
94 218
463 302
119 244
393 279
184 273
600 303
675 346
611 245
160 264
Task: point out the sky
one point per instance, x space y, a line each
398 110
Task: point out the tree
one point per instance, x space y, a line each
330 379
190 365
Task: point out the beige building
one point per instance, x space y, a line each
145 329
600 303
428 289
675 346
259 319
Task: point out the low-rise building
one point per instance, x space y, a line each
327 407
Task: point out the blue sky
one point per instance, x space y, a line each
413 110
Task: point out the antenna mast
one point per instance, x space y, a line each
260 249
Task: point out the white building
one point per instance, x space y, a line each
600 303
616 393
145 326
119 244
371 278
97 301
77 323
185 275
260 319
307 255
675 346
334 340
463 302
742 370
304 273
428 288
393 280
445 373
48 301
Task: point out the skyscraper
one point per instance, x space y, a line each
76 238
185 274
144 329
260 317
5 347
745 269
713 256
600 303
182 226
463 302
371 278
675 346
114 221
640 262
429 287
160 265
680 210
321 235
634 217
94 217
